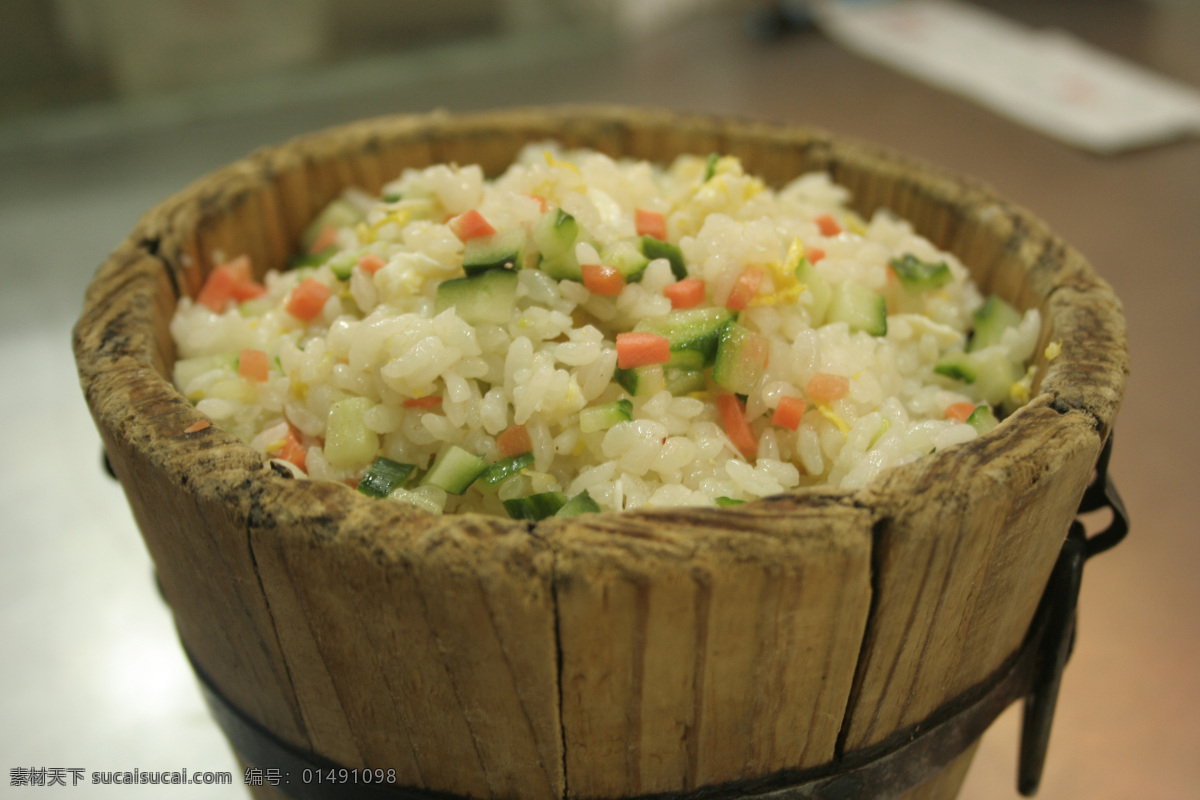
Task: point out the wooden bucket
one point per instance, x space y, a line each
613 655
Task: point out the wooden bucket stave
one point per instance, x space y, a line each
611 655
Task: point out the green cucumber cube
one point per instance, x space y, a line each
536 506
991 320
859 307
653 248
957 367
818 289
383 476
555 233
918 276
626 259
741 359
349 443
489 296
603 417
454 470
581 503
505 468
982 419
500 250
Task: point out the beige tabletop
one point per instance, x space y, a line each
92 672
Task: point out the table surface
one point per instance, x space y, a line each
92 672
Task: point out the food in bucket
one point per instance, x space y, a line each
584 334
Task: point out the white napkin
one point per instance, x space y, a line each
1044 79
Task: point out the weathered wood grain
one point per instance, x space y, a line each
188 508
697 649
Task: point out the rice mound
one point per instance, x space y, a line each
417 379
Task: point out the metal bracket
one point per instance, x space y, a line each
1060 601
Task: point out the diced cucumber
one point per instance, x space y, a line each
603 417
626 259
555 233
349 443
562 268
815 283
342 266
641 381
504 469
340 213
500 250
991 320
991 372
859 307
918 276
692 332
454 470
957 366
995 373
653 248
489 296
581 503
654 378
741 359
982 419
256 306
536 506
383 476
681 380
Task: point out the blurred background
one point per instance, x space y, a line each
108 106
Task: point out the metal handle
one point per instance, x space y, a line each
1062 598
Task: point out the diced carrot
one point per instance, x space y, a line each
325 239
639 348
744 288
789 412
959 412
428 401
254 365
733 417
218 288
241 268
687 293
513 441
602 279
198 426
650 223
371 263
828 225
470 225
232 280
824 388
307 299
813 254
291 450
248 291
